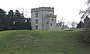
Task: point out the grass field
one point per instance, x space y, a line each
41 42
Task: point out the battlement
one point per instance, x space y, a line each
42 9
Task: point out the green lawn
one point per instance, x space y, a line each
41 42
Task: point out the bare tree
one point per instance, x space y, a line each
85 12
23 11
73 24
87 2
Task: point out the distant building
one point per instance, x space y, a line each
43 18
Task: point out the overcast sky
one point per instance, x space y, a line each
66 9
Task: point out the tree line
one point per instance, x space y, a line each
14 20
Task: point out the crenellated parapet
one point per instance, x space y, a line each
50 9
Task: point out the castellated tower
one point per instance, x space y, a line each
43 18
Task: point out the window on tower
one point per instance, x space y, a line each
47 22
51 24
36 21
36 27
52 20
36 14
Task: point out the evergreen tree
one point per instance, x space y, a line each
80 25
10 19
2 19
17 20
17 15
86 22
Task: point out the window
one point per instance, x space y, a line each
36 21
36 27
57 24
51 24
47 22
36 14
52 20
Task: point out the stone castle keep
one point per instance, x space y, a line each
43 18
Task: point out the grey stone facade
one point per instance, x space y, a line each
43 18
